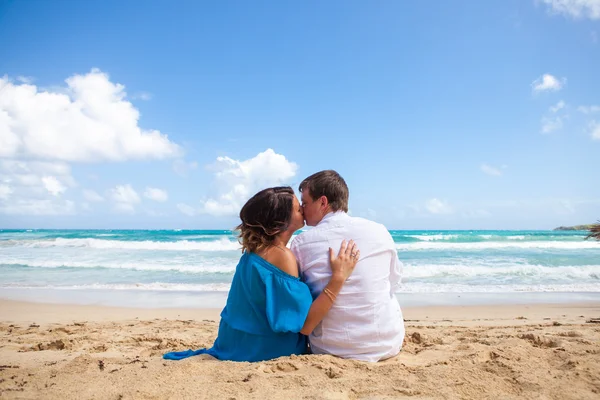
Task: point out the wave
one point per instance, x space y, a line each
462 288
222 244
417 272
491 272
156 286
405 289
475 237
428 238
157 266
572 245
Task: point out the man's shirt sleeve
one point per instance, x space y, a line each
295 248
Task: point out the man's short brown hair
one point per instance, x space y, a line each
330 184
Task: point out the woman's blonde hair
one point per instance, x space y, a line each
264 216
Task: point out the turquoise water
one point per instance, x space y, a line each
204 261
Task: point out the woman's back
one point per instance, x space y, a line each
266 308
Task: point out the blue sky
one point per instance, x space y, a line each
453 115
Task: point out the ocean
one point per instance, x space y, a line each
195 268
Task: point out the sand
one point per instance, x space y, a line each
495 352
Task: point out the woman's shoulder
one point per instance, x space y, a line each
283 259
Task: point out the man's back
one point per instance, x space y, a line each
365 322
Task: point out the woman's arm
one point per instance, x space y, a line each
342 267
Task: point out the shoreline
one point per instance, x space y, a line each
159 299
21 312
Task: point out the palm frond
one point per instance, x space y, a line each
594 232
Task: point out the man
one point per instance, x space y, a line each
365 322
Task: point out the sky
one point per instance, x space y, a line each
170 115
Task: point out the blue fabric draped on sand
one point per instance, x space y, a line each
265 311
180 355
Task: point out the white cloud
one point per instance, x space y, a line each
575 8
156 194
92 196
187 210
238 180
125 194
35 186
30 173
25 79
551 124
90 120
588 109
146 96
182 168
488 169
559 106
436 206
125 198
5 192
595 130
53 185
38 207
547 82
42 130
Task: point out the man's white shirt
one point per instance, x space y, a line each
365 322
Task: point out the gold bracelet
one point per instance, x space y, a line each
330 294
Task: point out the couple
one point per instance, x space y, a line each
345 304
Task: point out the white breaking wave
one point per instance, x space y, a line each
138 266
159 286
222 244
428 238
417 271
407 288
498 245
462 288
494 272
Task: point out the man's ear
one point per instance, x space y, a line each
324 201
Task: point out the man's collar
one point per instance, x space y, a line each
331 214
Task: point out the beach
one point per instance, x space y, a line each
67 351
163 163
88 314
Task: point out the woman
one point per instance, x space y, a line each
269 310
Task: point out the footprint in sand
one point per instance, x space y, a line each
286 366
538 341
333 372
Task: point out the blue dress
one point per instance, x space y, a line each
265 311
